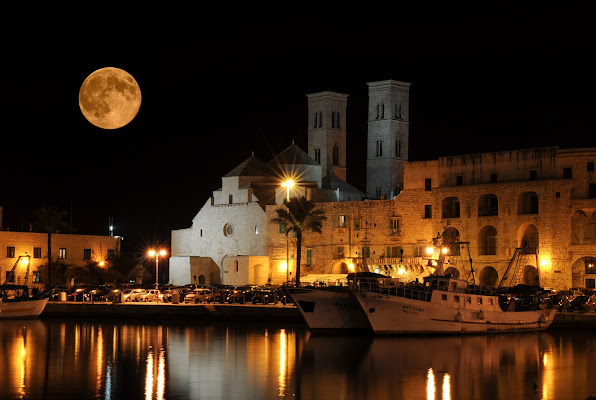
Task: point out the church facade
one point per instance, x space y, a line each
521 216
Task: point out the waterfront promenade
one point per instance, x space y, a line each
231 312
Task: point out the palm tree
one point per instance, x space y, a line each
299 215
50 220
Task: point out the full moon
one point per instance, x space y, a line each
110 98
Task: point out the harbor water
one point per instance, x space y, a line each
52 358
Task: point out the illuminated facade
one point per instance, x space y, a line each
531 211
227 241
492 204
22 253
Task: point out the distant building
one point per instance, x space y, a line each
227 242
23 253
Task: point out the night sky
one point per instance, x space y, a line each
220 83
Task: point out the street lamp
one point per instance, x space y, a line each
288 185
157 254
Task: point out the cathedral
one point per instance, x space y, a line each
521 216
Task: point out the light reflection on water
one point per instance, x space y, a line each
55 359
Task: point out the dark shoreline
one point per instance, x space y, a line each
169 311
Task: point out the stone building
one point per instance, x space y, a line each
520 216
532 211
227 241
27 251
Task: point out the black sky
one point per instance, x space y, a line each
220 83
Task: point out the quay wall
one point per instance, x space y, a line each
156 312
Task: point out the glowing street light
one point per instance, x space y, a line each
157 254
288 185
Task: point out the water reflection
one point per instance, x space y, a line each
81 359
522 366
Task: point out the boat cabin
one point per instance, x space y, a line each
445 283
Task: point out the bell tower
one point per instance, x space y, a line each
327 131
388 133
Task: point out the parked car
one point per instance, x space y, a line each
152 295
590 304
134 295
113 295
221 296
264 296
578 303
241 294
167 295
197 295
96 293
77 293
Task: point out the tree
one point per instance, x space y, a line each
50 219
299 215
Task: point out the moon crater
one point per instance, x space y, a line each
110 98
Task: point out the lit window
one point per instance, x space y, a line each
342 221
62 253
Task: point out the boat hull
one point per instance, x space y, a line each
389 314
329 309
22 309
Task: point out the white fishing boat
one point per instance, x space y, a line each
332 308
15 302
442 304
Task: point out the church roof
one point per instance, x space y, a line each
252 166
293 155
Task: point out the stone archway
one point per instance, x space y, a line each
201 279
488 276
453 272
530 276
527 236
450 237
340 268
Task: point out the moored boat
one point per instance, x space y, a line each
15 302
443 304
334 308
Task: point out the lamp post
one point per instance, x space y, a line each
157 254
288 185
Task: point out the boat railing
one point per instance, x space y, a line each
399 291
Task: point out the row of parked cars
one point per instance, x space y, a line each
574 299
235 294
183 294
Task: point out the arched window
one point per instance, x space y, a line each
488 276
335 155
528 237
230 197
398 148
379 148
451 241
450 207
527 203
487 241
488 205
